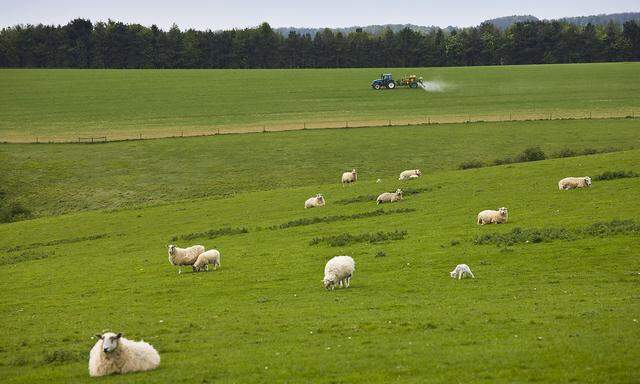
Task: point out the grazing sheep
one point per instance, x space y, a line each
574 182
114 354
389 197
410 174
349 177
184 256
490 216
212 256
460 271
378 181
317 201
338 271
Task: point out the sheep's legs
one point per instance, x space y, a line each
471 273
179 270
459 275
206 267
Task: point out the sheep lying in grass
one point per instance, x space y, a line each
410 174
490 216
389 197
184 256
114 354
312 202
460 271
212 256
574 182
338 271
349 177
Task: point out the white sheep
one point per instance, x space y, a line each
490 216
211 256
389 197
184 256
338 271
410 174
114 354
349 177
316 201
460 271
574 182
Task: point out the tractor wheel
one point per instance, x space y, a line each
376 86
413 85
391 85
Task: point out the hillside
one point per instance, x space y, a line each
549 311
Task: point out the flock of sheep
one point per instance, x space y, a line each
113 353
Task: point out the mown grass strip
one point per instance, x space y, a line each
363 198
211 234
55 242
612 175
331 219
519 235
22 257
369 237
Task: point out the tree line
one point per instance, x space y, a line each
112 44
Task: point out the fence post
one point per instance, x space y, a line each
389 123
181 133
304 125
140 136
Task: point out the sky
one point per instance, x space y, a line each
215 14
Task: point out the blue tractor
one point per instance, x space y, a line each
385 81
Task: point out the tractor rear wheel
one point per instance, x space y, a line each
391 85
376 86
413 85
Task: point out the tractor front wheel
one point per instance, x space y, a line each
376 86
413 85
391 85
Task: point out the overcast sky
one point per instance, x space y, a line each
216 14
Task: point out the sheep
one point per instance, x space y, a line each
184 256
389 197
338 271
349 177
317 201
211 256
460 271
490 216
410 174
114 354
574 182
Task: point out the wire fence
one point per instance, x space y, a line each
158 133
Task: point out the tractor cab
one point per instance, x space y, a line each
385 81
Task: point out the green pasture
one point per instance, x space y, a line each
557 312
66 104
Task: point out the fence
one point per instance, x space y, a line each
157 133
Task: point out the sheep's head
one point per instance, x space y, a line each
320 198
328 283
588 180
503 211
172 249
453 274
109 341
418 172
353 171
399 192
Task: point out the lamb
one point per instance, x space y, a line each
114 354
349 177
389 197
338 271
184 256
211 256
490 216
460 271
312 202
574 182
410 174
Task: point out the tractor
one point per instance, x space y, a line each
386 81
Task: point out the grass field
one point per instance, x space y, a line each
555 299
562 311
120 175
66 104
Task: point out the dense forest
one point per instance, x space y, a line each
83 44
